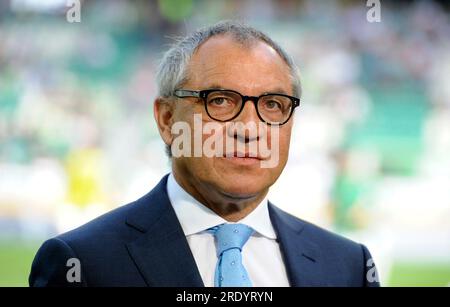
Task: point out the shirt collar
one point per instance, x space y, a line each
194 217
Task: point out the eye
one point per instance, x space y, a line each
221 102
218 101
273 105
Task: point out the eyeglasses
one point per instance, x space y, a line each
225 105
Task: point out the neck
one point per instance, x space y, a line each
232 208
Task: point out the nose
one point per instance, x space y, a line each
246 125
249 113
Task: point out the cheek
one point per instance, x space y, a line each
280 145
285 141
279 138
184 113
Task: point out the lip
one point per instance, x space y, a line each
242 158
242 161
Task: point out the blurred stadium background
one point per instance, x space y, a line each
370 154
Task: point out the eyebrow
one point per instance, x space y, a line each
277 90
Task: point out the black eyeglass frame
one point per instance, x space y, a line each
203 94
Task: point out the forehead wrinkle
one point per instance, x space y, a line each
237 69
250 87
239 73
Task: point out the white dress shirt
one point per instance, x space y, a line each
261 254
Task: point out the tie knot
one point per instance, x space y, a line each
230 236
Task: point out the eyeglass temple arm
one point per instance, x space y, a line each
186 93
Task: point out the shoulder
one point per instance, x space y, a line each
99 246
320 236
89 243
345 261
111 225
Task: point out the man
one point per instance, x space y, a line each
209 223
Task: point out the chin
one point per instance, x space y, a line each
242 186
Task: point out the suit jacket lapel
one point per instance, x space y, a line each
161 251
301 255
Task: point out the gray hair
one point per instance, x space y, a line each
172 71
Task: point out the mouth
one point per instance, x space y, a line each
242 158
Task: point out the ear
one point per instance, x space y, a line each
163 112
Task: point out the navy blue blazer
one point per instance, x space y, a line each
143 244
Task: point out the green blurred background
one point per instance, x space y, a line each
370 155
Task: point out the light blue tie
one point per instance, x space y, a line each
230 239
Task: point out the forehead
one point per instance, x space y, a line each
251 68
